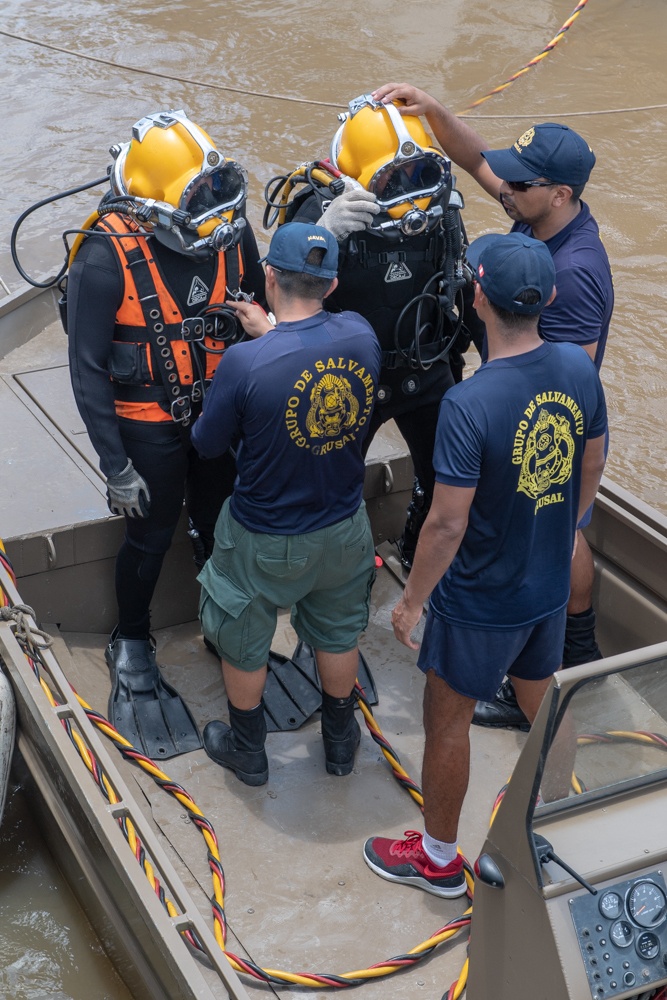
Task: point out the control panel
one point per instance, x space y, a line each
622 933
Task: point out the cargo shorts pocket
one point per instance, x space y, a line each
223 617
228 531
276 567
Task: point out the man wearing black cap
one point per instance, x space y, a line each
518 458
539 181
297 404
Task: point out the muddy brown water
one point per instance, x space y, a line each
292 66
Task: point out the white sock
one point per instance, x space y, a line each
438 851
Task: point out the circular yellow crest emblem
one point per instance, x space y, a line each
547 459
333 407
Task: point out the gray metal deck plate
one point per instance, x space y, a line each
42 486
50 389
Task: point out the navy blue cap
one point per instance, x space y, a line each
552 151
291 244
511 263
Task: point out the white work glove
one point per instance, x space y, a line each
128 493
350 212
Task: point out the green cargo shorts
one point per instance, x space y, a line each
324 576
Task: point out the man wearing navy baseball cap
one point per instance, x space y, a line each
518 458
296 401
290 251
539 181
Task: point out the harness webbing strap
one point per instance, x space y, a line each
178 397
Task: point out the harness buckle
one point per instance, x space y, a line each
197 391
192 330
181 410
392 257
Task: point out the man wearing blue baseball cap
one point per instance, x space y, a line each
539 181
518 458
296 402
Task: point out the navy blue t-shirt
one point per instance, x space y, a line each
581 311
298 400
516 430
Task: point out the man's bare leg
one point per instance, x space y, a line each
338 671
582 578
446 766
580 644
244 687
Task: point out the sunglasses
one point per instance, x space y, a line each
524 185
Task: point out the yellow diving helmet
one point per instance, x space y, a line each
391 155
179 184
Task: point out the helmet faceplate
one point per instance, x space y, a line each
391 155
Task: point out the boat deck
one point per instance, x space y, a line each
299 896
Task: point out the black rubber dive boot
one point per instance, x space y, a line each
143 707
341 734
416 515
580 644
240 746
503 712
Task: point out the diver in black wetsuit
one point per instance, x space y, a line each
388 196
147 326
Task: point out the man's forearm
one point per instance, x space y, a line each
462 143
438 544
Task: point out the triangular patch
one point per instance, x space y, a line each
398 272
198 292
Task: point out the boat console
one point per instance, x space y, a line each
571 894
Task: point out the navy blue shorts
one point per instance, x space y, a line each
473 661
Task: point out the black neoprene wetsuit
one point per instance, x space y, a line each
160 451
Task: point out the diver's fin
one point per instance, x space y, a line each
304 658
143 707
292 692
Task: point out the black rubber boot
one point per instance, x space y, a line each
503 712
580 643
341 734
240 746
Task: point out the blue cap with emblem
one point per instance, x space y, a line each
552 151
507 265
291 245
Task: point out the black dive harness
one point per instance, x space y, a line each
429 320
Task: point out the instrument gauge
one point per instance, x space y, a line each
647 904
648 945
611 905
622 934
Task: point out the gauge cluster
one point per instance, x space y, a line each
622 933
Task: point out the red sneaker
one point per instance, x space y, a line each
405 861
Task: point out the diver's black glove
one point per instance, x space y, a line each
128 493
350 212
